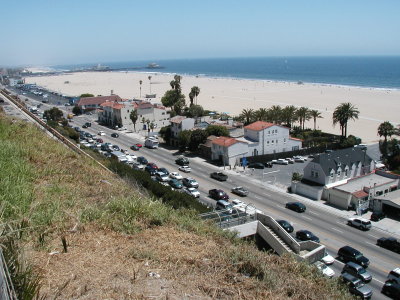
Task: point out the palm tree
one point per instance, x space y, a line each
289 115
386 129
247 115
275 114
140 82
261 114
315 114
134 117
195 91
342 114
150 82
191 97
303 113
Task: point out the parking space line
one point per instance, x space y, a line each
313 212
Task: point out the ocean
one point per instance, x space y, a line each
374 71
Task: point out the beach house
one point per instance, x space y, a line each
179 124
92 103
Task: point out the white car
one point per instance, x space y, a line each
328 259
290 160
282 161
185 169
192 192
299 159
101 133
175 175
327 271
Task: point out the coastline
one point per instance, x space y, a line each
232 95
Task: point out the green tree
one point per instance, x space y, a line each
152 126
176 83
195 91
165 133
174 97
315 114
261 114
77 110
86 95
297 176
140 88
386 129
191 98
53 114
217 130
134 117
184 139
197 137
275 114
195 111
247 115
303 114
289 115
342 114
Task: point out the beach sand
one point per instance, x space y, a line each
234 95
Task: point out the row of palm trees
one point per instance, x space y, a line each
287 115
140 85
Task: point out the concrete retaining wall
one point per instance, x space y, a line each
312 192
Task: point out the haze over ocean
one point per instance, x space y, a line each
374 71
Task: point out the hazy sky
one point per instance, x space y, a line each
45 32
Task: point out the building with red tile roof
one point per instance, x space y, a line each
95 102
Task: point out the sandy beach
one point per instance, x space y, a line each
233 95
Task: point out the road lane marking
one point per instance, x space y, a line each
377 280
307 218
313 212
370 243
373 236
333 228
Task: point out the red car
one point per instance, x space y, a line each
152 165
139 145
100 140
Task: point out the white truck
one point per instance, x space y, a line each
360 223
151 143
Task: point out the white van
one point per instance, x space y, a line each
151 143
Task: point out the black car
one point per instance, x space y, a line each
219 176
152 171
115 148
217 194
389 243
88 124
114 135
305 235
163 170
285 225
77 129
134 148
142 160
190 182
296 206
377 216
256 165
182 161
268 164
84 126
391 289
348 253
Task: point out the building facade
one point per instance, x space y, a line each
228 150
91 103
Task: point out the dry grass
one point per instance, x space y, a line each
116 237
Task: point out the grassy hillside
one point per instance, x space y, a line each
120 243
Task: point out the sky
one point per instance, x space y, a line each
48 32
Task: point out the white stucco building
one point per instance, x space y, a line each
179 124
228 150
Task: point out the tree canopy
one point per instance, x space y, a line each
342 114
386 129
217 130
53 114
86 95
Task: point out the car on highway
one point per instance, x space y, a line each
142 160
115 148
256 165
134 148
305 235
394 275
84 126
185 169
239 190
101 133
389 243
192 192
285 225
348 253
182 161
328 259
190 182
218 194
324 269
376 216
391 289
175 183
296 206
160 176
176 175
357 271
163 170
219 176
359 223
356 286
114 135
139 145
224 205
152 171
152 165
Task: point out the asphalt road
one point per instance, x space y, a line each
330 228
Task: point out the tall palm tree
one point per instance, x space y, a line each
386 129
261 114
134 117
275 114
140 82
342 114
150 82
315 114
191 98
289 115
247 115
195 91
303 113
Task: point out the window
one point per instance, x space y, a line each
316 174
272 141
339 172
312 173
277 141
332 173
284 140
269 132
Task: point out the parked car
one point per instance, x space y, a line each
217 194
175 183
285 225
280 161
134 148
394 275
190 182
219 176
101 133
377 216
185 169
241 191
152 171
115 148
176 175
163 170
256 165
152 165
356 286
142 160
290 160
360 223
192 192
391 289
84 126
299 159
224 205
139 145
348 253
389 243
328 259
182 161
324 269
160 176
296 206
114 135
357 271
305 235
268 164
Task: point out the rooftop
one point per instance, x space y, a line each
98 100
357 184
225 141
259 125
